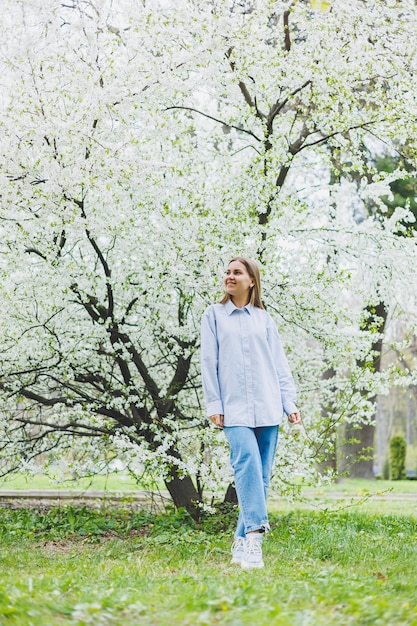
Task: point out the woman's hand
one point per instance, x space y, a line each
218 420
295 418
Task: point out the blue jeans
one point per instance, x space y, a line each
252 452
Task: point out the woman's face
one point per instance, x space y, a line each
237 282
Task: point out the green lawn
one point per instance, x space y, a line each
112 482
75 566
359 486
118 481
376 497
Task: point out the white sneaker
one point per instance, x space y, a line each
238 548
252 555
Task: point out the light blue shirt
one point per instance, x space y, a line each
246 376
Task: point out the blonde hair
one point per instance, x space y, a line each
255 292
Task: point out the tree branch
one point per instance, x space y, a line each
286 21
97 250
180 377
129 308
150 384
215 119
35 251
277 108
337 132
245 91
72 428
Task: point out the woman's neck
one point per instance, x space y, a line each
239 303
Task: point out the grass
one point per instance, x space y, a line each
357 486
119 481
77 566
112 482
374 497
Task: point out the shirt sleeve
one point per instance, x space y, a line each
209 364
286 381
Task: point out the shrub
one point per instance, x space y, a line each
397 452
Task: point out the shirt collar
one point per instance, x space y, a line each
230 307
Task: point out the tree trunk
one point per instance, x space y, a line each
358 457
231 495
183 491
358 451
184 495
327 460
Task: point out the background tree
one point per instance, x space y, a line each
141 148
358 448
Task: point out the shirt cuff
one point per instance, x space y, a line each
215 408
290 408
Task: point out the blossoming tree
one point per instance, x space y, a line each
143 145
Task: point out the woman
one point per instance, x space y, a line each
248 386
